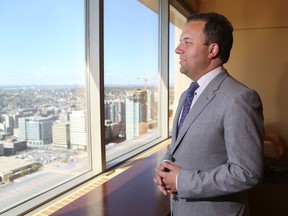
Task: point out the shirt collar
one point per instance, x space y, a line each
206 78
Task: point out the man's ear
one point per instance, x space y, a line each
214 50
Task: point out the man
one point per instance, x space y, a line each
216 152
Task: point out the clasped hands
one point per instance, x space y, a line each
165 178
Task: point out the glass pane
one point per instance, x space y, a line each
130 73
177 81
42 97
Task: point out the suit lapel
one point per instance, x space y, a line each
177 115
206 96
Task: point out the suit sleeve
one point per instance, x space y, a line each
167 155
243 135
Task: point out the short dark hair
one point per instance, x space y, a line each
218 30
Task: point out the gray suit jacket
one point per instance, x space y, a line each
219 149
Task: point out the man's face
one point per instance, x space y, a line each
193 51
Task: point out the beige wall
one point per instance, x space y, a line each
259 57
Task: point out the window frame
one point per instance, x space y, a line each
95 101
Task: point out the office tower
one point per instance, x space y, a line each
1 149
15 118
112 110
149 105
9 123
115 111
78 131
136 113
118 111
61 134
37 131
63 116
107 108
22 128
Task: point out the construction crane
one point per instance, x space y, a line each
146 79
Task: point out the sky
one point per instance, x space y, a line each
42 42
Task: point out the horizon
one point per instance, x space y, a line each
76 86
44 44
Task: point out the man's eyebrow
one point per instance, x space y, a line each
185 38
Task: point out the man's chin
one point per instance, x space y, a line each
183 71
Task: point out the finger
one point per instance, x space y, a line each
163 190
162 167
155 181
168 165
158 178
162 174
170 193
158 181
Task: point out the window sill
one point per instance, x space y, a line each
127 189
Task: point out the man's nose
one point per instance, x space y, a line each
178 49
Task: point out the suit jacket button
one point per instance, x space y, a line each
173 159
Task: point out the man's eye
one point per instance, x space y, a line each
187 42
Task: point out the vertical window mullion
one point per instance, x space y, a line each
95 83
164 68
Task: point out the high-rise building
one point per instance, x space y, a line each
78 131
61 134
22 128
136 113
115 111
9 123
37 131
1 149
64 116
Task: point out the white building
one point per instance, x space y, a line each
9 123
136 112
78 131
61 134
36 130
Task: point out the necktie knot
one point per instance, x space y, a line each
191 91
188 102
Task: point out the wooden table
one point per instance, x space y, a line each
132 192
269 198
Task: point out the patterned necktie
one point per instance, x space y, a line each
188 102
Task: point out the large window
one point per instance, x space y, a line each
130 76
42 97
84 86
177 81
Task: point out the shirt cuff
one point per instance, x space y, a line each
165 161
176 181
